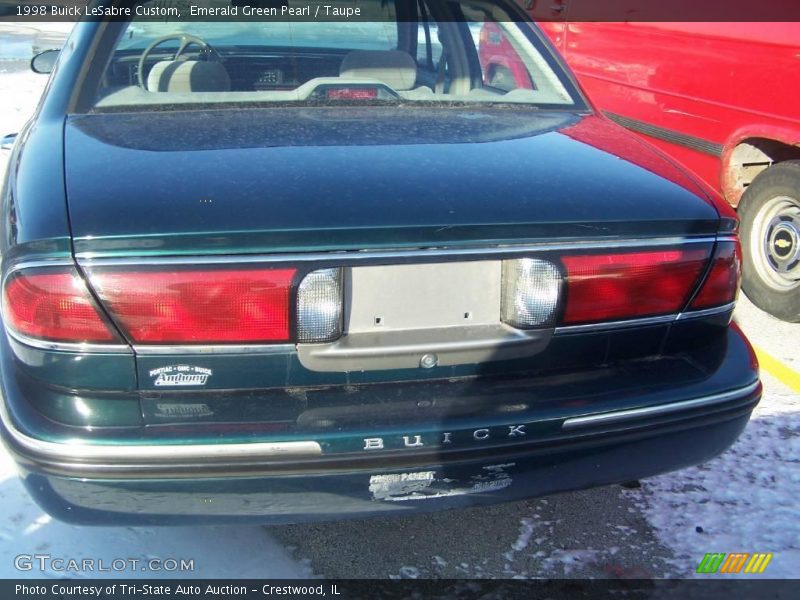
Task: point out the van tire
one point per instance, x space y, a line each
770 232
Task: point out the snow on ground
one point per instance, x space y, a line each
20 88
20 41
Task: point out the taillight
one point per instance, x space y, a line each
722 283
221 304
193 305
530 294
319 306
619 286
54 305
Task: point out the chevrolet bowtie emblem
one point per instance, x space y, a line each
783 243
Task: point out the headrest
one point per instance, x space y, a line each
395 68
188 76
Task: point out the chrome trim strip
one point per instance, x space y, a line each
67 346
661 409
88 259
706 312
567 329
35 264
31 264
671 318
216 349
164 455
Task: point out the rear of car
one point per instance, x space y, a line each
310 273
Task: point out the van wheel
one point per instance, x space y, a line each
770 233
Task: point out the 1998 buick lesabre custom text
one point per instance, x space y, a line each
288 271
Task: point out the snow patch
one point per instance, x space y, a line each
525 533
742 501
566 561
407 572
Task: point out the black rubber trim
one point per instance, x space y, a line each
668 135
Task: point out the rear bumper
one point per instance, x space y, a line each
584 444
255 486
174 461
375 490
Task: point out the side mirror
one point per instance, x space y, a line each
44 61
8 141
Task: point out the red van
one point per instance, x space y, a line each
720 98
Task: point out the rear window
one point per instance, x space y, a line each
463 52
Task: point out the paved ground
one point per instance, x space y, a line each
594 533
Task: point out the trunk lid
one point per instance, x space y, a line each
318 179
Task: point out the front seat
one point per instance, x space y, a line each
395 68
188 76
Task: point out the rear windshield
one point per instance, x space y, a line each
463 52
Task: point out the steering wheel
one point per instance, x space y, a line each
186 40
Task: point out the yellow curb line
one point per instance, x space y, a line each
778 370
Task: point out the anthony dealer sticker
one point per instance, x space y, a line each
177 375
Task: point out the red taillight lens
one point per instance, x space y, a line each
54 306
198 305
607 287
724 278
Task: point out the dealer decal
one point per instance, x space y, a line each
180 375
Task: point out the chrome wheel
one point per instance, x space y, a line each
775 245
